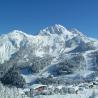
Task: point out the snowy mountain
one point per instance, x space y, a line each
52 40
55 41
55 55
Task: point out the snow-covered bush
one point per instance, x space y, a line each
10 92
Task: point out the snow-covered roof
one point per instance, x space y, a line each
59 87
26 89
35 86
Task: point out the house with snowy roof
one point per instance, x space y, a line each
37 89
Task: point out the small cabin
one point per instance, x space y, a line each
37 89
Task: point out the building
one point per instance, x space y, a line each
37 89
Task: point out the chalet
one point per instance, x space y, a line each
37 89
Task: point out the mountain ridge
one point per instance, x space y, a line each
49 37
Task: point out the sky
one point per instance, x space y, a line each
32 15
